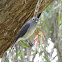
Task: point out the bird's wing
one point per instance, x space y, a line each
23 30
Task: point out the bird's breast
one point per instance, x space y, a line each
29 32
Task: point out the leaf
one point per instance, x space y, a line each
34 36
49 6
25 45
6 59
60 24
36 33
46 59
20 53
46 13
38 29
45 9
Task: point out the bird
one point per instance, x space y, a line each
27 29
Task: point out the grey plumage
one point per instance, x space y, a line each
27 29
23 30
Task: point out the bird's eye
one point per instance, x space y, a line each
33 18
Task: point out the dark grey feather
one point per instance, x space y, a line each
23 30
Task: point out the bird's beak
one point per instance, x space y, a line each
37 20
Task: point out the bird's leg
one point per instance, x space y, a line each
29 43
27 40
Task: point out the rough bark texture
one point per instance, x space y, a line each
13 14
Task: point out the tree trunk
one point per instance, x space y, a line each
13 14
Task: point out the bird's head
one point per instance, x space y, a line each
35 19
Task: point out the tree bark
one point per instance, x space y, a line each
13 14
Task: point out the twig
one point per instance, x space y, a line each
37 8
